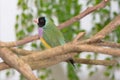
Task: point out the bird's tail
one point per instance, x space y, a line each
71 61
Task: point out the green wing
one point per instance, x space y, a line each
52 35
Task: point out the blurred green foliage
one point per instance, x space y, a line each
63 10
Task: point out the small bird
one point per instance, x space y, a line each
49 34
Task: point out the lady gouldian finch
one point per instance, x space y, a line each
49 34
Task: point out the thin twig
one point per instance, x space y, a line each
19 42
108 44
22 52
96 62
79 36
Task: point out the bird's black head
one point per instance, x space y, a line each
41 21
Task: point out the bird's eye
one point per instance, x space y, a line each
41 21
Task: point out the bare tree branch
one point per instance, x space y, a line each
60 50
19 42
108 44
83 14
106 30
48 62
79 36
13 60
22 52
109 28
96 62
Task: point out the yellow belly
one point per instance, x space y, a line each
44 43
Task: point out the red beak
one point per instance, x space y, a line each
36 21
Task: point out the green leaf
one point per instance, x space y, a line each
24 6
110 67
106 73
30 28
17 17
43 77
34 45
79 65
108 58
20 34
88 56
8 73
118 65
91 73
89 66
16 26
22 77
19 2
24 16
97 2
105 11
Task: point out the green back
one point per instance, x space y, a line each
52 34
